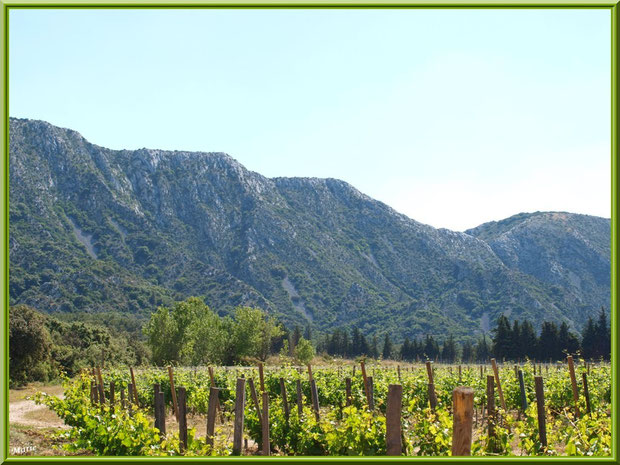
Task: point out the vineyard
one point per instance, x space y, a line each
353 409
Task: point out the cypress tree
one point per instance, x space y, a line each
588 341
529 340
387 348
502 340
467 352
603 336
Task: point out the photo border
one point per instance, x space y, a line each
6 6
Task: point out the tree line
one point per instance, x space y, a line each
508 340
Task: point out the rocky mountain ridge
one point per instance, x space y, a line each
122 231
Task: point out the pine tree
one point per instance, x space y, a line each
374 351
516 346
529 340
482 350
387 348
431 348
568 342
405 350
448 353
502 339
364 347
467 352
308 333
356 343
603 336
549 344
588 341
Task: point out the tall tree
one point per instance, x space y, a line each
529 340
588 341
448 352
502 339
549 344
569 343
603 336
467 352
483 352
387 347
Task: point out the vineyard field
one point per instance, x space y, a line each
348 415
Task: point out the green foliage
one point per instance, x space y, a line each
304 351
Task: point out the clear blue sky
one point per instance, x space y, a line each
452 117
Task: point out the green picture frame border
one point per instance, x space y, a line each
6 6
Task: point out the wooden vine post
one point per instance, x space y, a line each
217 401
573 382
522 389
463 405
211 413
300 407
284 399
432 396
239 416
586 392
499 384
265 435
174 393
101 391
348 390
365 378
491 417
393 433
135 389
540 403
182 418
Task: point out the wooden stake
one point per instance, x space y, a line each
540 403
365 378
101 391
463 404
174 393
265 436
123 404
586 392
393 433
112 393
371 394
491 405
573 382
135 389
239 413
284 399
211 412
499 384
300 408
522 389
162 413
255 400
315 399
347 382
182 417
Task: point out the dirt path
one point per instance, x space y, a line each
23 411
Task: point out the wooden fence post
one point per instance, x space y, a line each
522 389
398 370
573 382
463 406
217 402
123 404
211 413
432 396
347 383
586 392
135 388
174 393
156 389
112 395
162 412
300 408
182 417
315 398
239 413
284 399
393 433
365 378
540 403
101 387
265 435
254 396
491 405
499 384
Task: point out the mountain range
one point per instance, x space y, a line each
115 233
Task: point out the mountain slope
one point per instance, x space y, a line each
98 230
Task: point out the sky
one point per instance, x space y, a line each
451 117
